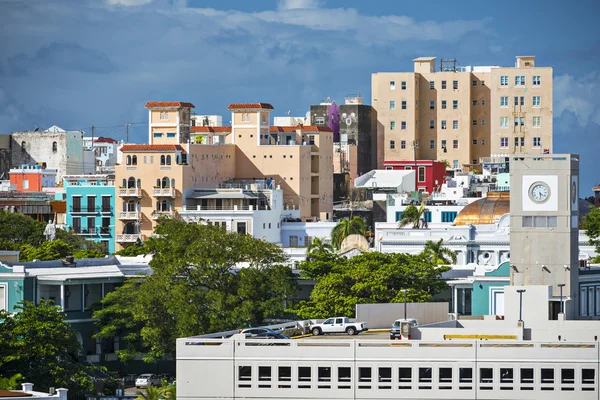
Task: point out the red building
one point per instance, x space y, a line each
430 174
32 178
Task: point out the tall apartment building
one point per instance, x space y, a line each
160 177
461 114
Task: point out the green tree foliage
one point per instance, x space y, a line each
166 392
318 245
412 215
10 383
132 251
39 344
195 289
369 278
346 227
439 254
591 224
18 229
50 250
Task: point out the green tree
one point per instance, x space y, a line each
10 383
132 251
412 215
319 245
371 278
150 393
346 227
88 253
439 254
591 224
19 229
49 250
196 287
38 343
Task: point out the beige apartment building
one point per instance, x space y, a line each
461 114
154 178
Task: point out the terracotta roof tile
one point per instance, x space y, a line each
282 129
236 106
213 129
105 140
314 128
168 104
151 147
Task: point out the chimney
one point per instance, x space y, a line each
62 393
27 387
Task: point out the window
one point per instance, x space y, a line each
474 142
320 120
474 102
403 144
432 144
536 80
483 142
539 221
443 104
392 144
444 145
431 124
588 376
504 122
345 376
445 376
522 121
54 147
162 160
455 144
444 124
264 375
403 125
392 85
526 375
483 102
486 375
537 122
403 83
285 375
23 147
304 375
455 104
482 83
474 83
392 125
474 122
364 376
504 101
392 105
385 376
324 375
506 375
443 84
455 85
567 376
164 115
133 160
168 160
516 142
432 104
519 80
537 142
404 104
465 375
244 375
263 118
547 375
455 124
483 122
474 161
516 121
245 117
504 81
537 101
421 174
431 84
425 376
157 134
449 216
170 134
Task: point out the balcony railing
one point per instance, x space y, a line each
104 230
165 192
130 192
83 231
157 214
123 215
128 237
91 210
224 208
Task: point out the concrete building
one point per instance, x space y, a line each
290 121
5 156
431 175
32 178
461 114
156 177
105 151
59 149
206 120
90 201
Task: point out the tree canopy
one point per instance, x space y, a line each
439 254
413 215
37 343
18 230
372 277
591 224
196 288
346 227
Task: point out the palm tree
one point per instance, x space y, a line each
151 393
439 254
346 227
169 392
413 215
318 245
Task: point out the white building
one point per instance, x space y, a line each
27 393
105 153
289 121
206 120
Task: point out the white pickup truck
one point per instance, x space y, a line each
338 325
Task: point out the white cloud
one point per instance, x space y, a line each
578 96
128 2
298 4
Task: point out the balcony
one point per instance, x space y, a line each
130 215
130 192
165 192
91 210
104 230
83 231
129 237
167 214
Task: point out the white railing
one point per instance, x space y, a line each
164 192
128 237
130 215
130 192
222 208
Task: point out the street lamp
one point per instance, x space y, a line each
521 291
404 290
562 310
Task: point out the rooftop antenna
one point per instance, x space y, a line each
448 65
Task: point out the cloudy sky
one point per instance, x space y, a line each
77 63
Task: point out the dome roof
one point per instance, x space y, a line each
486 210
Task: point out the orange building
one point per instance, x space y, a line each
32 178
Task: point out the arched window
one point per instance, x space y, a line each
173 182
54 147
134 160
124 182
164 206
128 160
131 228
162 160
168 160
165 182
131 182
139 183
158 182
23 146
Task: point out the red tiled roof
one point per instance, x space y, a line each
236 106
168 104
213 129
151 147
105 140
314 128
282 128
306 128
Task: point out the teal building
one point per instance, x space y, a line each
91 208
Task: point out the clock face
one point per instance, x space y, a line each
539 192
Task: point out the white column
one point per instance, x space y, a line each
232 127
83 297
454 305
62 296
178 126
258 125
149 126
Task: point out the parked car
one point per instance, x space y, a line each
263 333
145 380
339 325
396 331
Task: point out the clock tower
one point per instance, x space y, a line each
544 226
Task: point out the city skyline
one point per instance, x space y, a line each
77 64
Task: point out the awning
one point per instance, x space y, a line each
222 195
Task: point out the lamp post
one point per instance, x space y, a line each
521 291
404 290
562 310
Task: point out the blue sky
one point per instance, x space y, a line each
77 63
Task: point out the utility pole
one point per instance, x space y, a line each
127 133
93 128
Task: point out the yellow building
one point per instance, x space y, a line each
153 178
461 114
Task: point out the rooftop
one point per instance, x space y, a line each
250 106
159 104
210 129
424 58
486 210
151 147
303 128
